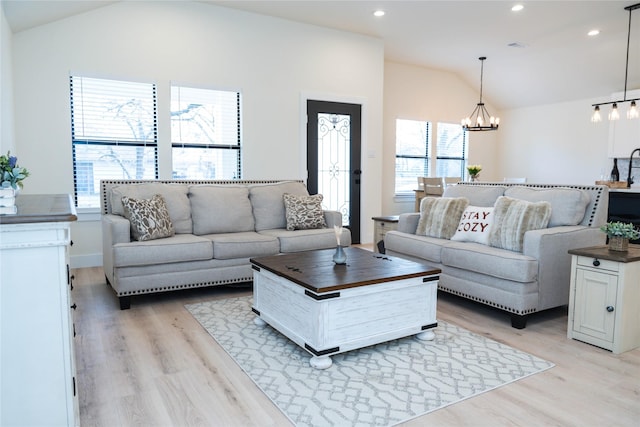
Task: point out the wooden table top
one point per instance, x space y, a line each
316 271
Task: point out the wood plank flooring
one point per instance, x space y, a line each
154 365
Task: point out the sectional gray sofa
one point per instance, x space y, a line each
519 279
216 227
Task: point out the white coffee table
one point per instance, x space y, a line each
329 309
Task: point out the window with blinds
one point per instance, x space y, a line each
205 133
114 134
412 154
451 150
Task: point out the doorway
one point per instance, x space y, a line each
334 135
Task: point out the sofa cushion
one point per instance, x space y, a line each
268 203
513 218
475 225
242 245
179 248
303 212
423 247
149 218
220 209
307 240
568 205
490 261
175 196
440 216
478 195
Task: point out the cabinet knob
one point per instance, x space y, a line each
596 262
74 306
610 309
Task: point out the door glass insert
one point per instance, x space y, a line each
334 141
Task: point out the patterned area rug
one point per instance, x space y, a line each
380 385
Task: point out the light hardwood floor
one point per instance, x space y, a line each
154 365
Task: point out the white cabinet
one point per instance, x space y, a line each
37 366
624 134
604 299
382 225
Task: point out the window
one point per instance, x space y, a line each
205 133
412 154
114 134
451 150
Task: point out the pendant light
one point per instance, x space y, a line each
632 112
480 119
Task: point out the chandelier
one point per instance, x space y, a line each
632 112
480 119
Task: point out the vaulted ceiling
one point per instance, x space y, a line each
539 55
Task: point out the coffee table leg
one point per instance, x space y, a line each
427 335
320 362
258 321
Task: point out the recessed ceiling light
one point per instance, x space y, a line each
593 32
378 13
517 8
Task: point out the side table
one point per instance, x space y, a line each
381 225
604 298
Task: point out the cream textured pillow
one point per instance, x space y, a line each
440 216
512 218
149 218
304 212
475 225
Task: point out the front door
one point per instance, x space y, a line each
333 158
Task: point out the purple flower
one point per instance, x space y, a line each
13 160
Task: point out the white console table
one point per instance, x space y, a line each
37 371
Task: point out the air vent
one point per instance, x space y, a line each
517 44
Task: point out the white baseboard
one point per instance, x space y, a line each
85 261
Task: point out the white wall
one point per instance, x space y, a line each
417 93
271 61
6 88
554 143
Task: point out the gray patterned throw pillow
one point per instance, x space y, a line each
149 218
304 212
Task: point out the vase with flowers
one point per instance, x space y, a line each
619 234
474 172
11 175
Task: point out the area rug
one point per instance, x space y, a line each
381 385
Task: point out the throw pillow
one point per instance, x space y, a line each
513 218
568 205
303 212
475 225
440 216
149 218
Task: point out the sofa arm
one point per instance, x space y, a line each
115 229
333 218
408 222
550 247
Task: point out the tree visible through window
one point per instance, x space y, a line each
114 134
205 133
451 150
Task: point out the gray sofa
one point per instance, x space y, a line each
523 281
217 227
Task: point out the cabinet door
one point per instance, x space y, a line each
594 306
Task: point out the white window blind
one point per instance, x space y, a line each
114 134
412 154
451 150
205 133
